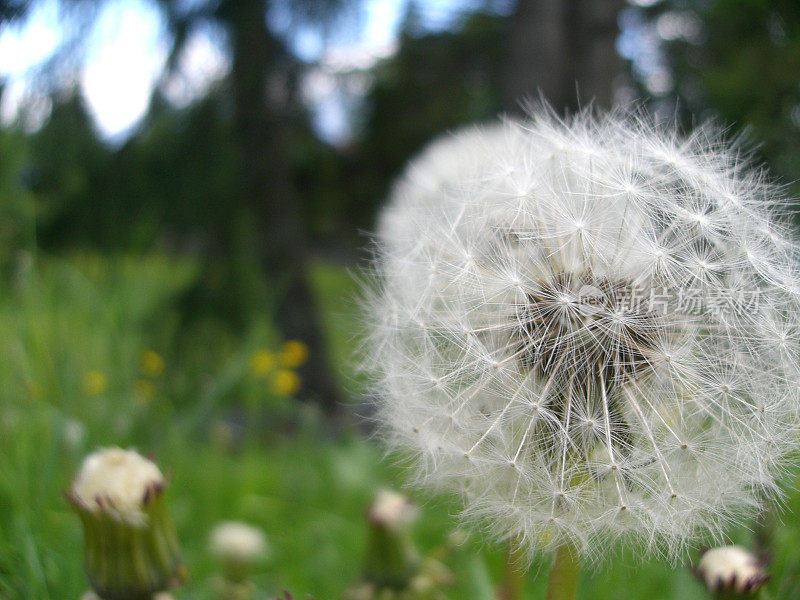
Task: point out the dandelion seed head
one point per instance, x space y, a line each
521 353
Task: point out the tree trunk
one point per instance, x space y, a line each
565 50
267 186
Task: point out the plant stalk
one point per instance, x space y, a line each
564 574
513 574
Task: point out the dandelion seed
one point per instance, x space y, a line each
597 368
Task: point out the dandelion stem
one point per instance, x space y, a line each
513 573
564 574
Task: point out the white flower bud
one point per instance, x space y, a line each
392 510
392 560
238 546
130 546
731 569
589 329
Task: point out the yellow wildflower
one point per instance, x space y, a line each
261 363
151 363
294 353
286 382
94 383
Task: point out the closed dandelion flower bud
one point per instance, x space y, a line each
237 546
130 547
731 569
391 560
588 329
392 510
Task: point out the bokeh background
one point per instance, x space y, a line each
186 191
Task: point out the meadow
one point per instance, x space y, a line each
93 355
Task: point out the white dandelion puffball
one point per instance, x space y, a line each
589 329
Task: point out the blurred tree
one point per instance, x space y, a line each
17 203
434 83
486 64
69 168
13 10
75 18
565 50
263 97
738 60
266 180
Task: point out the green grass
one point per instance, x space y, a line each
223 436
337 291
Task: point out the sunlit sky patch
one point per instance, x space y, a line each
126 53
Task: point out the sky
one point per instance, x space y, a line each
127 47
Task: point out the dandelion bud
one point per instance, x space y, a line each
394 570
130 547
731 569
391 510
391 560
237 546
588 329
